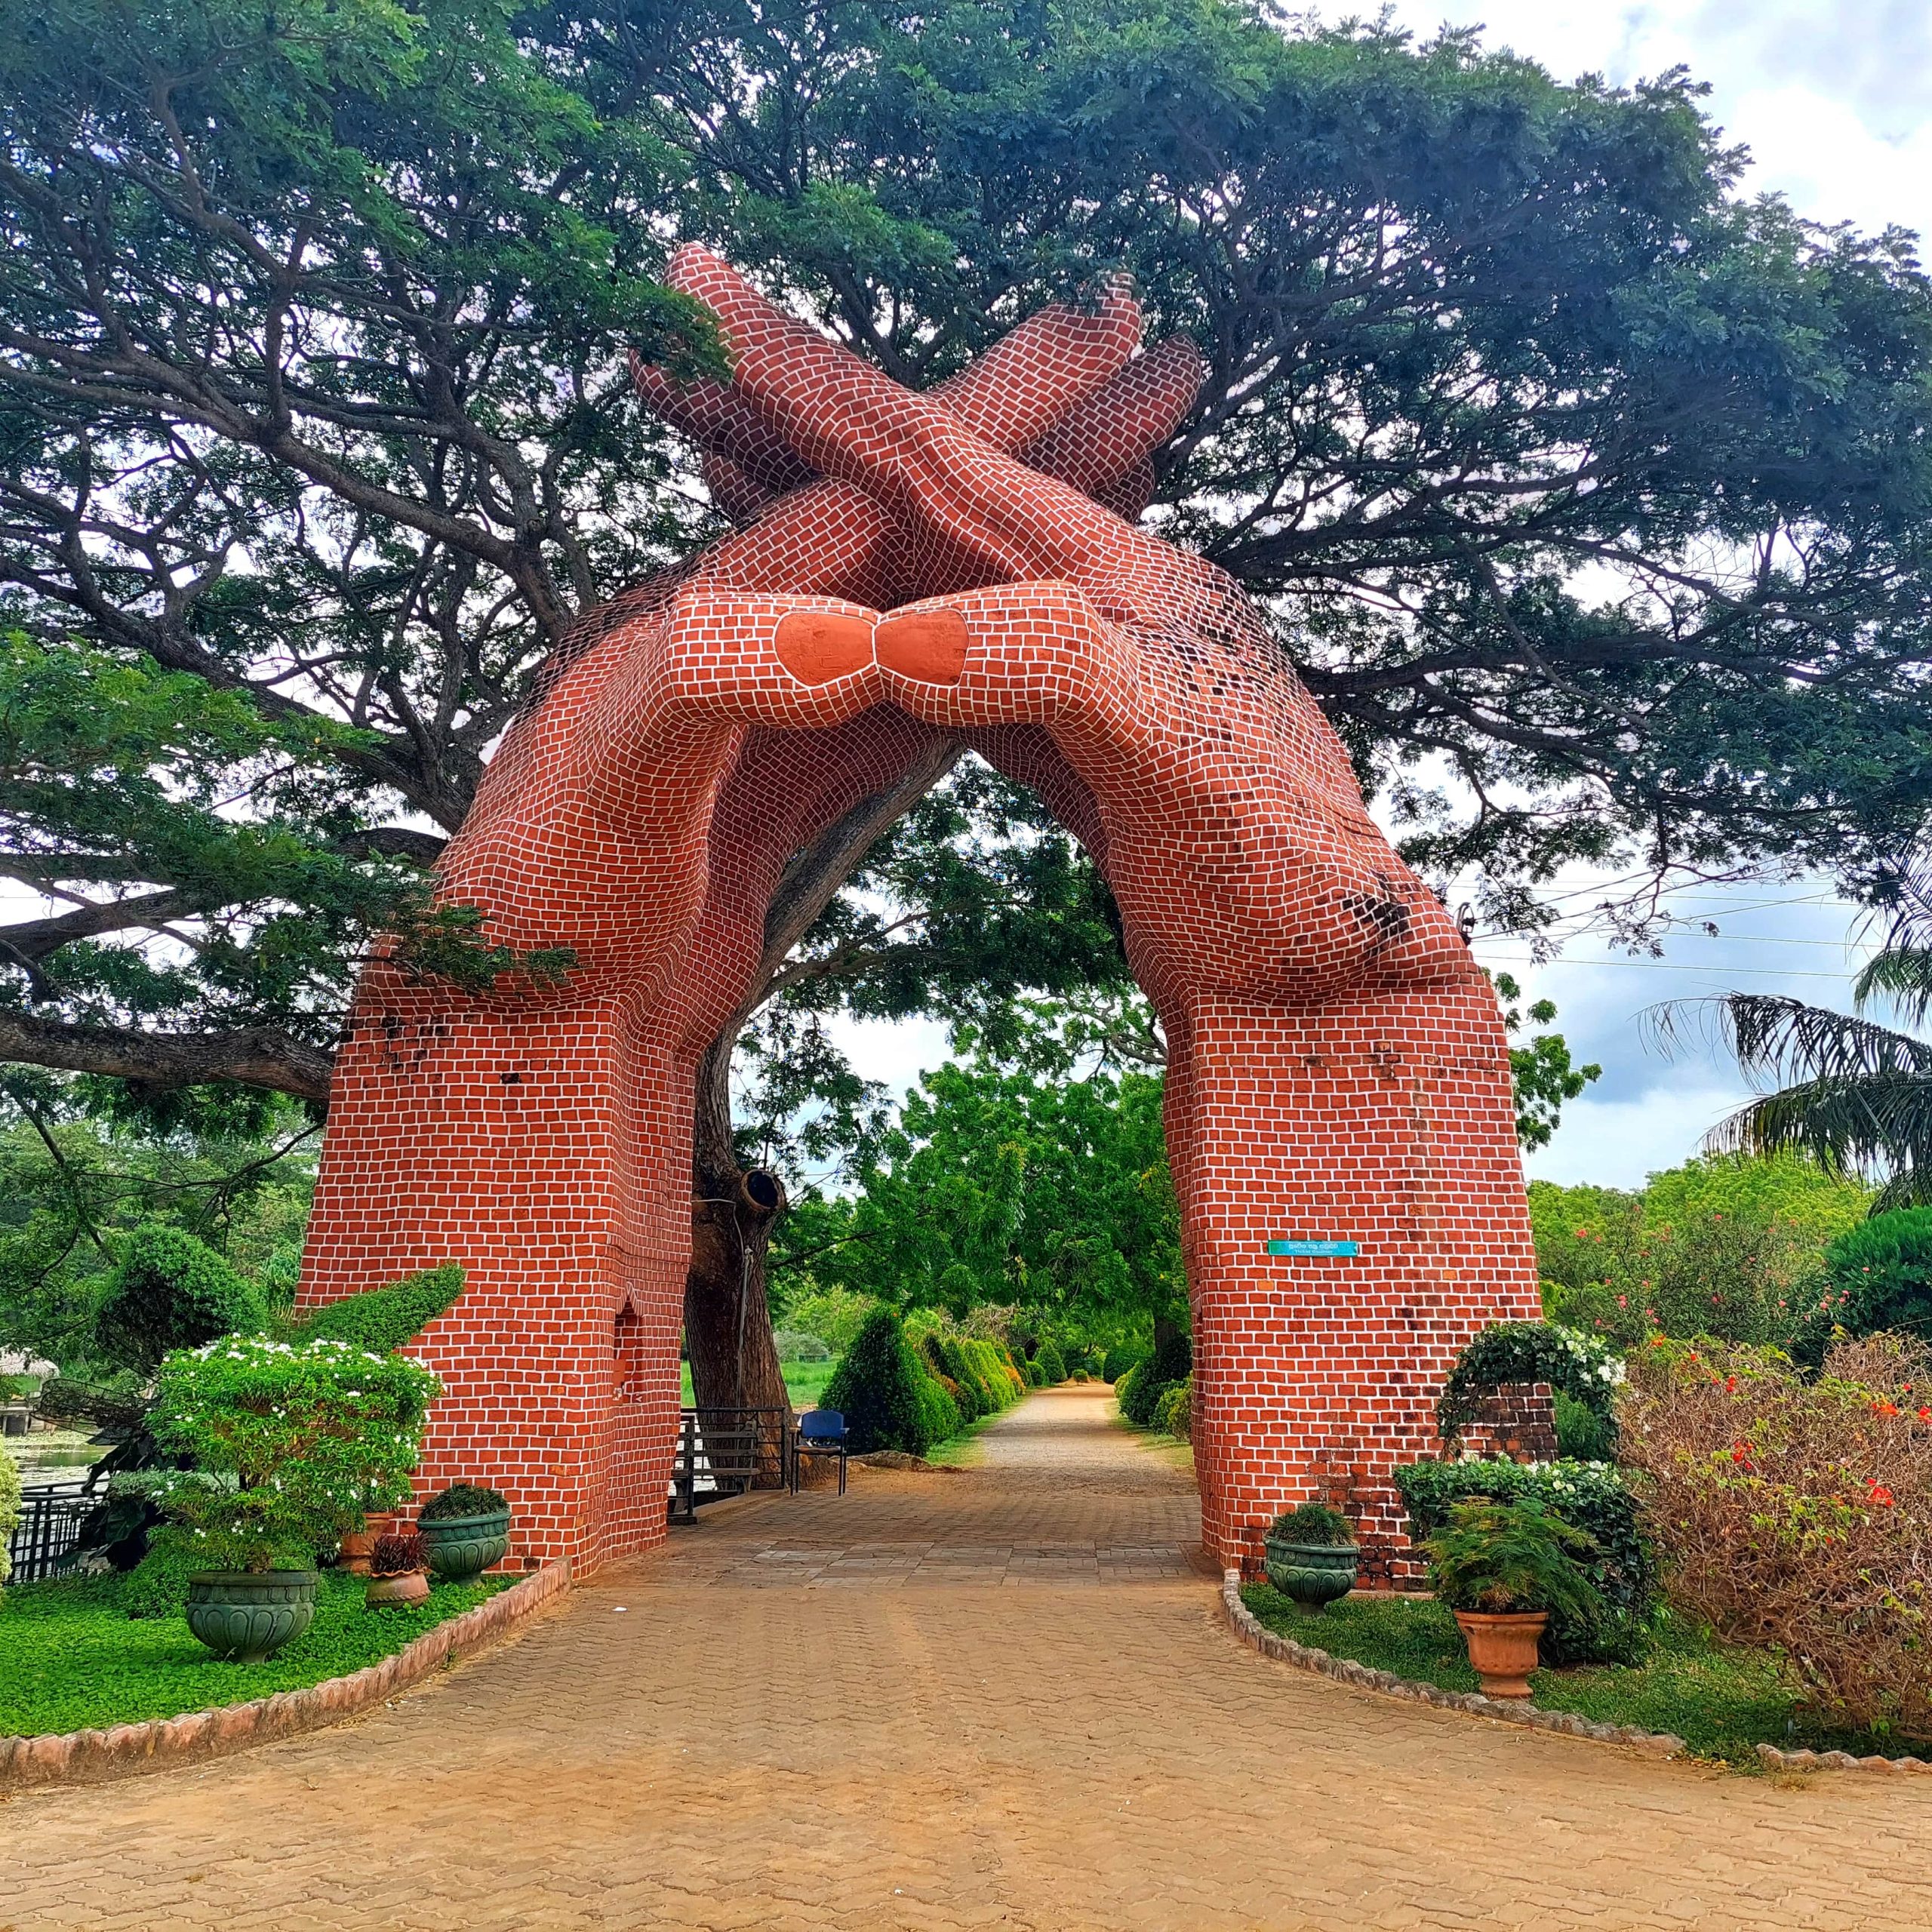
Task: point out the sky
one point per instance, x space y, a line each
1834 103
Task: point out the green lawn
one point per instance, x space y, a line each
75 1660
804 1382
1720 1700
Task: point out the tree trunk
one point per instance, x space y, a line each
727 1322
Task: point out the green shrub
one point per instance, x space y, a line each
1174 1412
1587 1495
1051 1365
1116 1362
1139 1395
462 1499
1001 1383
1313 1523
1509 1558
1582 1434
289 1445
9 1507
169 1291
382 1320
1173 1359
888 1398
1878 1275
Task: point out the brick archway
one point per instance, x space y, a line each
1338 1083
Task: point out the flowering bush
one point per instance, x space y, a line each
1584 1369
1797 1513
290 1443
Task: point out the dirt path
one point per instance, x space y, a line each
995 1698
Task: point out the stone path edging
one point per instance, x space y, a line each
92 1757
1305 1656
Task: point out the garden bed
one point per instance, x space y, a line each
1722 1702
76 1661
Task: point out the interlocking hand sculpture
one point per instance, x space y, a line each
1338 1074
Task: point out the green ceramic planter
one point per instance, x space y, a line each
460 1547
248 1615
1313 1574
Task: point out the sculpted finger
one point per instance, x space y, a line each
983 515
1106 439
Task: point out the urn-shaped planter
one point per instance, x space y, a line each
248 1615
411 1587
461 1547
1503 1647
1313 1574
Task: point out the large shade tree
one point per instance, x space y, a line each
1592 498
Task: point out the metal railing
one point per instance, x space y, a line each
724 1452
46 1538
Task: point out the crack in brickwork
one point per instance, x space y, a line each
1338 1069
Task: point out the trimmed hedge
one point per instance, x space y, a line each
170 1291
1881 1274
1174 1412
1053 1368
382 1320
1590 1496
1118 1362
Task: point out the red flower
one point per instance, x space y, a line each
1925 1415
1880 1494
1730 1385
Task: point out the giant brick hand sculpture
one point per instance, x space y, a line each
1338 1070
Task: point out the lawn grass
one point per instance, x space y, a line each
72 1658
804 1382
1721 1700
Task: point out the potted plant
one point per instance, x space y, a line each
1503 1567
1311 1555
287 1444
397 1574
464 1529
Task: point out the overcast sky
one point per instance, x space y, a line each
1834 103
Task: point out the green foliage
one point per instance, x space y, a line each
1583 1435
995 1186
1879 1275
1728 1246
288 1443
380 1321
795 1345
79 1175
1053 1369
170 1291
1621 1565
1724 1700
1541 1072
76 1663
1312 1523
1505 1557
158 1584
838 1314
1173 1413
1118 1361
462 1499
9 1507
1506 1352
888 1398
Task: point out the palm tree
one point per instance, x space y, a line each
1854 1095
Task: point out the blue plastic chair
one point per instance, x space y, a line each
821 1432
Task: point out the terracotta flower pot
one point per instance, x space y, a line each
1503 1647
412 1587
353 1556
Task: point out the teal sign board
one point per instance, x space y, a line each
1314 1247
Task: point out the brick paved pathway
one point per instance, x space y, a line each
1001 1699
